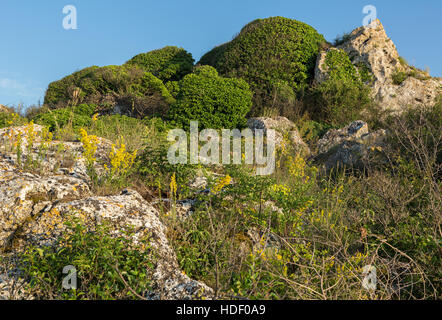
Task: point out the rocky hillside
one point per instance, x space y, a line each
395 85
86 182
36 205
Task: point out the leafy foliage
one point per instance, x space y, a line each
339 66
79 116
214 101
107 86
8 119
168 64
108 267
267 51
399 77
342 96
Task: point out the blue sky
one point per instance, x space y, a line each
36 49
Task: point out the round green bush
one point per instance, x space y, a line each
268 51
168 64
60 93
215 102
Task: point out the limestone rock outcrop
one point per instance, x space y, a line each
285 130
351 147
370 47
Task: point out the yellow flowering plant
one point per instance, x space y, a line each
90 145
121 160
173 186
221 184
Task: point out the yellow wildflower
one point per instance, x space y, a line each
173 185
121 160
90 144
222 183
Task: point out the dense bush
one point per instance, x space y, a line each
107 86
214 101
339 66
399 77
268 51
342 97
168 64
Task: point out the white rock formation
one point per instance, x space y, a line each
370 46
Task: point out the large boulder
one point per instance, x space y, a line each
285 131
352 147
370 49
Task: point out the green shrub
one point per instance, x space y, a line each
108 86
101 261
365 73
78 116
268 51
168 64
8 119
338 102
311 131
339 66
214 101
399 77
343 96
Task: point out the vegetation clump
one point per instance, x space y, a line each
107 267
77 116
107 86
268 51
167 64
342 97
215 102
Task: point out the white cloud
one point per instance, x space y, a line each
15 91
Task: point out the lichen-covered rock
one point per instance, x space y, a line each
351 147
13 288
36 203
125 212
353 131
23 195
284 130
370 46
